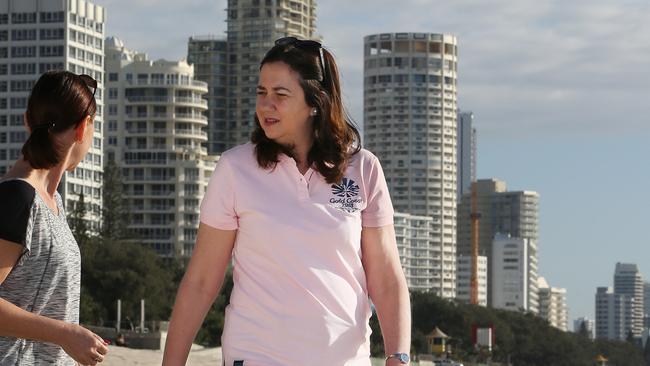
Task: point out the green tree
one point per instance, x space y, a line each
77 220
115 216
210 332
646 352
583 331
113 270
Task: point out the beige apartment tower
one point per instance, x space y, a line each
155 134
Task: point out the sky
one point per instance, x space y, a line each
560 92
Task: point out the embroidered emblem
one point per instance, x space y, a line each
346 193
347 188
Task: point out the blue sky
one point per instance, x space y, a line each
561 96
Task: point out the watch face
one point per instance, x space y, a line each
404 358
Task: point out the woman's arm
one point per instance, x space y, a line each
81 344
387 288
198 290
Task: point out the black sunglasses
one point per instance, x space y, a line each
305 45
92 85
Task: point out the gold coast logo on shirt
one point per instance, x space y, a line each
346 196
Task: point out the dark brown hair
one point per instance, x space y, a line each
336 138
59 101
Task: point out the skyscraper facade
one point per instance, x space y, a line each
613 314
423 259
209 56
155 134
410 111
514 213
466 153
464 276
37 36
253 26
628 282
514 274
552 304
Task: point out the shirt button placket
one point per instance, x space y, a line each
303 190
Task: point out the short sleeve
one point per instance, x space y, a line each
218 205
379 208
17 199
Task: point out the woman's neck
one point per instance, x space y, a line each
45 181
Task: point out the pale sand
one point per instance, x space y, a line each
121 356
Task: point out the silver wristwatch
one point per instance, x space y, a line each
402 357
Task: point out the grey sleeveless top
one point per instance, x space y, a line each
47 278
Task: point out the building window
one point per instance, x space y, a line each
22 85
112 93
18 103
52 17
52 33
23 18
51 51
25 51
47 66
23 69
23 35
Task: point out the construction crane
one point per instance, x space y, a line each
475 217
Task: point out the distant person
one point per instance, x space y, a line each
120 341
40 265
306 217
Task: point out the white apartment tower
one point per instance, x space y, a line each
552 305
514 274
253 26
426 265
464 276
41 35
628 281
410 112
155 132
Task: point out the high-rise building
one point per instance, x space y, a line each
646 305
464 277
514 274
253 26
628 281
613 314
209 55
41 35
155 132
466 153
588 324
552 304
502 212
410 110
426 265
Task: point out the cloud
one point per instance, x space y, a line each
522 64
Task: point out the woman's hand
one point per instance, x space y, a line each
82 345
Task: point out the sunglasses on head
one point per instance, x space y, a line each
305 45
92 85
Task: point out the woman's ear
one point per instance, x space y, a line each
80 130
26 123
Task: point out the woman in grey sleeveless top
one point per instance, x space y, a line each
40 265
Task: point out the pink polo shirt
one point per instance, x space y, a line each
299 295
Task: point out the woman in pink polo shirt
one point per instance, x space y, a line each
305 216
